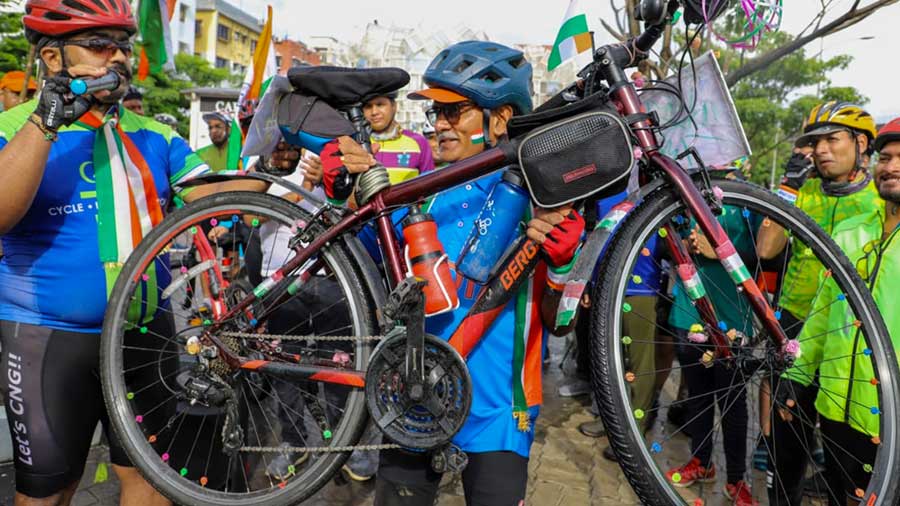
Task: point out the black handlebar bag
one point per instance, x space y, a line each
577 157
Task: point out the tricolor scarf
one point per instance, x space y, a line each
127 199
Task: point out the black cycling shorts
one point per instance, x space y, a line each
490 479
54 400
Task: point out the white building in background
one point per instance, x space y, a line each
183 26
413 49
331 50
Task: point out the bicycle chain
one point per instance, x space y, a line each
319 449
283 337
311 449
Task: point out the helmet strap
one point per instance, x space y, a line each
486 127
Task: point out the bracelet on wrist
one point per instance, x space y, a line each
37 121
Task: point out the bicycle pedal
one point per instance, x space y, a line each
404 297
449 458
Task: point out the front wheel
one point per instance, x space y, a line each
691 425
203 432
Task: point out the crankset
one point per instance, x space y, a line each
418 416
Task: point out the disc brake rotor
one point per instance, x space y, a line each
440 412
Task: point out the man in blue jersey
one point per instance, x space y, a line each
81 181
506 398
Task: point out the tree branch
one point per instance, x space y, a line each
612 31
851 17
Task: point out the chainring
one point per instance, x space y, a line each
438 416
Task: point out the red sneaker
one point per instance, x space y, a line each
686 475
740 494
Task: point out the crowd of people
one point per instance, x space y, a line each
63 249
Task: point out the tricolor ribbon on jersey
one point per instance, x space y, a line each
127 200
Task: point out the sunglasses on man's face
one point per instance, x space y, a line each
103 46
450 112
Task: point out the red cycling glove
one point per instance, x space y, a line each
336 178
562 242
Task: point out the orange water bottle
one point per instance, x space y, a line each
426 259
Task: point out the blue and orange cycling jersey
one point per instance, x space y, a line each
51 274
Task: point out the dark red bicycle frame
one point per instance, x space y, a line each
409 192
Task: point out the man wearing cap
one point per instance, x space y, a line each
134 101
216 154
11 83
405 154
839 135
843 404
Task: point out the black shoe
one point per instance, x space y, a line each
609 455
592 429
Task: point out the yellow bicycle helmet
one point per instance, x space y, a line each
833 116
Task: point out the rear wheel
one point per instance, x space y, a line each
199 430
722 414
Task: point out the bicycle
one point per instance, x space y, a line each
415 387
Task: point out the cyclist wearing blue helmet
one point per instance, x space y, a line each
476 88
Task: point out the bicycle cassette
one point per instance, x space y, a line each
443 400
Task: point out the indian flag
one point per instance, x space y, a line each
263 66
574 39
154 17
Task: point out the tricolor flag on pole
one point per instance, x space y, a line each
574 39
262 68
154 17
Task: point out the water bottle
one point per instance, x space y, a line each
426 259
495 227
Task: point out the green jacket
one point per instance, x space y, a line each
828 212
827 340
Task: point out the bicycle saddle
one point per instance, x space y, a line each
342 87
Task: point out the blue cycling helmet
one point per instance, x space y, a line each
486 73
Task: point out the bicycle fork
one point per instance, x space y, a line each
727 255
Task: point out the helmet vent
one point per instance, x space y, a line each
55 16
462 66
72 4
517 62
492 77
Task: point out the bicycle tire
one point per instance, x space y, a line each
608 303
158 473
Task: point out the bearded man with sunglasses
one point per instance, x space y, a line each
82 180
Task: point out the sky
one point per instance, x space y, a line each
510 22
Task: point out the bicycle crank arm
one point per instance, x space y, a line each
293 372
